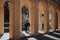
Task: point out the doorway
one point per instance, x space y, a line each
25 19
6 16
42 20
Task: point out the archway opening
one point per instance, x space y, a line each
25 19
50 21
6 17
42 20
56 20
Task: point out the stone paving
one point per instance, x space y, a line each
40 36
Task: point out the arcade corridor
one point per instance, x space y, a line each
29 19
41 36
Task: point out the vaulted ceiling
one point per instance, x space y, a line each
56 1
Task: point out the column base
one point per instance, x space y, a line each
34 34
54 31
46 32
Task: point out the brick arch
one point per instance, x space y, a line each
40 9
53 15
50 10
46 16
5 1
27 4
31 5
2 2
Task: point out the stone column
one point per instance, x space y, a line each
58 18
46 15
52 10
14 19
40 9
11 19
33 18
1 17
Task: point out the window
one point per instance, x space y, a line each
25 10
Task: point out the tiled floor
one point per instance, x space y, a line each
41 36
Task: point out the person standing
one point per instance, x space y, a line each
27 24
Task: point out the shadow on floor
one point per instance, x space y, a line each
41 36
55 35
37 37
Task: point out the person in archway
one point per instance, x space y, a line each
27 24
